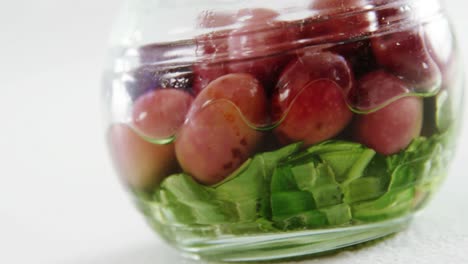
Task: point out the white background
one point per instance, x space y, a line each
60 201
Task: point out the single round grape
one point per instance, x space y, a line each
217 137
392 128
141 164
406 54
214 142
205 74
159 114
311 66
360 56
242 90
251 46
375 89
319 112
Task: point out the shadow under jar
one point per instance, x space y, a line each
251 130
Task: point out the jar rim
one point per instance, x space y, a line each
398 15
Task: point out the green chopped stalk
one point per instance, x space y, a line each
185 189
283 180
272 159
246 186
286 204
334 146
341 162
181 191
234 175
320 182
309 219
358 168
338 214
364 189
392 204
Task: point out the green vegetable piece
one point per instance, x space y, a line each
235 174
358 168
287 204
185 189
272 159
283 180
247 185
247 188
363 189
333 146
341 161
309 219
245 191
338 214
392 204
403 177
320 182
182 189
173 211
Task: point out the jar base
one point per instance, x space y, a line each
292 244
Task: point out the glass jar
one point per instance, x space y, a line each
259 130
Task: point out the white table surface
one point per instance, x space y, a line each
59 199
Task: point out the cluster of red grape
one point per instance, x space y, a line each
366 87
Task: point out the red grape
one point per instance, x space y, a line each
392 128
242 90
359 54
160 113
309 67
375 89
318 113
406 54
216 140
310 98
344 27
260 35
205 74
140 163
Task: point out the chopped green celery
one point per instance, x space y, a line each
174 211
197 212
286 204
341 162
272 159
309 219
248 185
331 216
234 175
334 146
247 189
185 189
182 189
358 168
329 150
364 189
283 180
403 177
320 182
392 204
311 189
338 214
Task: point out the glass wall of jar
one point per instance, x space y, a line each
256 130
